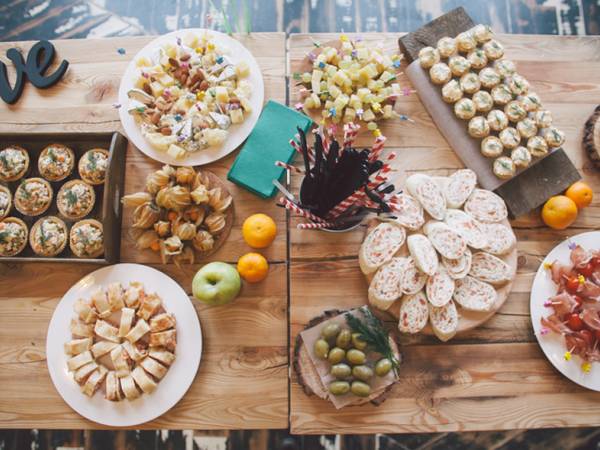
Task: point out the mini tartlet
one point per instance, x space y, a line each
33 196
48 236
5 201
56 162
75 199
13 236
14 162
86 239
92 166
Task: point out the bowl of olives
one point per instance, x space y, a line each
346 357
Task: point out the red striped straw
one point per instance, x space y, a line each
325 140
289 167
291 206
296 146
350 132
377 148
347 203
315 226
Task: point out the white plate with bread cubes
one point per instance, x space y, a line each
447 261
190 97
496 103
123 345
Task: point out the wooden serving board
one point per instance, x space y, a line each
530 187
467 319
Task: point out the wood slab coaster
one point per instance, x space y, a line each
308 377
591 137
467 320
531 186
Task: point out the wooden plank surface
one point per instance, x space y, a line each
492 377
242 382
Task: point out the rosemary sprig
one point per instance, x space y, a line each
372 332
92 162
71 197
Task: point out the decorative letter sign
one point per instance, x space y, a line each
39 58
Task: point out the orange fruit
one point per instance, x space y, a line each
559 212
581 193
253 267
259 230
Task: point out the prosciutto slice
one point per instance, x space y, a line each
563 303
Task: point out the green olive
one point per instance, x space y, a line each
321 348
341 371
355 357
344 339
330 332
360 389
383 367
336 355
357 342
363 373
339 387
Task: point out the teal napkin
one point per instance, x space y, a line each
254 168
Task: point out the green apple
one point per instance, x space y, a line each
216 283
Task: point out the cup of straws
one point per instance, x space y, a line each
341 184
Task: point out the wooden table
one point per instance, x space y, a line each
243 378
493 377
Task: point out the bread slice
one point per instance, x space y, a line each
475 295
445 240
380 245
440 287
460 186
423 253
413 313
470 229
458 268
413 280
385 287
500 238
444 320
491 269
427 192
486 206
408 212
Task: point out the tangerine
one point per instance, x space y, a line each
253 267
559 212
581 193
259 230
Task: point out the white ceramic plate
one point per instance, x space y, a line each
553 344
237 133
170 389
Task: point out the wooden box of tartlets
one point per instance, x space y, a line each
59 196
488 112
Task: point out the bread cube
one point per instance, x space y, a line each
175 151
236 116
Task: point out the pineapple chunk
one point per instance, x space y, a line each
368 115
388 112
334 91
316 100
175 151
242 69
140 82
349 115
362 54
142 61
309 103
341 102
368 72
355 102
341 79
362 93
236 116
222 95
315 81
330 70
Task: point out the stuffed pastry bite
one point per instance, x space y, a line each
505 67
428 56
48 236
493 49
531 101
14 162
33 196
491 147
5 201
477 59
504 167
553 136
451 91
543 118
510 138
537 146
86 239
465 41
527 128
517 84
470 83
13 236
489 77
482 33
483 101
521 157
446 46
56 162
514 111
440 73
497 120
459 65
478 127
464 109
501 94
92 166
75 199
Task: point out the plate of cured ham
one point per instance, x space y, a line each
124 345
565 308
445 260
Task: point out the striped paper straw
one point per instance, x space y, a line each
350 132
345 204
315 226
289 167
377 148
296 146
289 205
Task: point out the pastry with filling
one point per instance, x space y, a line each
501 94
465 41
537 146
483 101
514 111
491 147
493 49
428 56
482 33
5 201
497 120
93 165
145 383
13 236
154 368
162 322
14 163
478 127
87 239
477 58
517 84
553 136
440 73
505 67
75 199
527 128
85 310
446 46
451 91
33 196
531 101
106 331
94 381
49 236
543 118
504 168
459 65
464 109
167 339
138 331
77 346
510 138
521 157
470 83
489 77
56 162
128 387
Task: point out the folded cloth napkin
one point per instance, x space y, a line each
254 168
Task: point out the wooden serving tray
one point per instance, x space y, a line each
530 187
107 209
